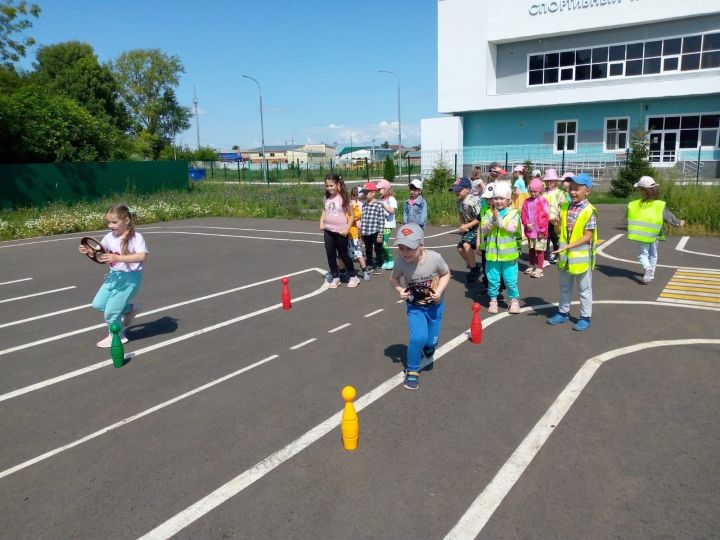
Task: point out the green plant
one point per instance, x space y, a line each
637 165
389 169
440 178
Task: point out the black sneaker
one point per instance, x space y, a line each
473 275
411 380
344 277
428 357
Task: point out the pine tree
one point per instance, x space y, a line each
389 169
637 165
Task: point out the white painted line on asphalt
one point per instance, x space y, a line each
87 369
306 342
7 244
241 236
242 229
604 246
374 312
36 317
483 507
15 281
158 310
37 294
336 329
681 247
134 417
257 471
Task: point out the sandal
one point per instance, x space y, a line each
537 273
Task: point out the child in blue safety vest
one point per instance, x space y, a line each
646 216
500 225
576 253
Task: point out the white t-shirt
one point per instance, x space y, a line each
113 244
390 222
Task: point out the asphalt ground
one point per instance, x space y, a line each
224 421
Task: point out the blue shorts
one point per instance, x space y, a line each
469 237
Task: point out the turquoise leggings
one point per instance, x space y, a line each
114 294
509 272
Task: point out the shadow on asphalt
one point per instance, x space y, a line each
164 325
617 272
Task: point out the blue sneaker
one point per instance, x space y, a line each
411 380
582 324
558 318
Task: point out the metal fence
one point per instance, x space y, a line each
37 184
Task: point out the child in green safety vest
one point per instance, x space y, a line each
646 216
576 254
499 227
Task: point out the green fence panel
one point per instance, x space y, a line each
36 184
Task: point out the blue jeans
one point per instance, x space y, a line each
424 328
509 272
114 294
648 254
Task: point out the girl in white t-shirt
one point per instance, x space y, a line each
389 204
126 255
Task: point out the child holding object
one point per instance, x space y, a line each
499 227
576 261
415 209
354 240
126 254
419 269
468 208
335 222
646 216
535 216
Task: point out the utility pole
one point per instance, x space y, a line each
262 129
399 121
197 121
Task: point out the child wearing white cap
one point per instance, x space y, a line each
499 227
426 275
415 209
646 216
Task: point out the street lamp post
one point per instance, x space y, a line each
262 129
399 122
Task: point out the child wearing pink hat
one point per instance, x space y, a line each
555 198
535 216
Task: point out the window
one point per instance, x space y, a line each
644 58
616 134
565 135
694 130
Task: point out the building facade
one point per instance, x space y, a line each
568 82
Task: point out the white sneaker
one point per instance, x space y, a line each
546 264
129 317
106 342
335 283
354 282
493 307
648 276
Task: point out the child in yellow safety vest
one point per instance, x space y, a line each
576 253
646 216
499 228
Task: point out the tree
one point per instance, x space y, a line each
385 145
389 169
440 178
637 165
73 70
147 79
14 18
37 126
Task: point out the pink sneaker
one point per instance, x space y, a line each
129 317
493 307
514 306
354 282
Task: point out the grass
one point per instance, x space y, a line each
698 205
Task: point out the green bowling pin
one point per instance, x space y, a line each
116 347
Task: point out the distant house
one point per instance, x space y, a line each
361 153
284 154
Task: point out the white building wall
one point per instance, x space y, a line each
468 31
441 138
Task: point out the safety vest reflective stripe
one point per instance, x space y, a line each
645 220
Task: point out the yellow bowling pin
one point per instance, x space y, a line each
350 425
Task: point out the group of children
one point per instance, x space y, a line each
492 224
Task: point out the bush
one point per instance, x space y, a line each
637 165
440 179
389 169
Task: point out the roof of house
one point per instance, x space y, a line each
274 148
347 150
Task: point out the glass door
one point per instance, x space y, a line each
663 146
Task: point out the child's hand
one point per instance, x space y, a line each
495 213
435 296
106 257
83 249
559 250
404 295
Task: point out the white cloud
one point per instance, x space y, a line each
364 134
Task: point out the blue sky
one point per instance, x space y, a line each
316 62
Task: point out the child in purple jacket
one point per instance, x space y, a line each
535 216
